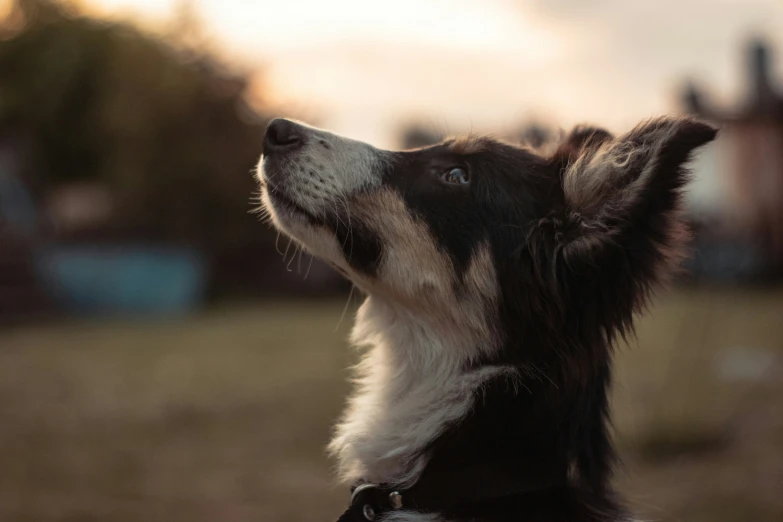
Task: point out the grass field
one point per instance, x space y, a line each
223 416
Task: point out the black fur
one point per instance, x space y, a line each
575 259
561 306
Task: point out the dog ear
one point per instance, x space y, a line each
623 199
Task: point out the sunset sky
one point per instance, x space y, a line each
363 66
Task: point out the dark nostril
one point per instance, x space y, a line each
282 135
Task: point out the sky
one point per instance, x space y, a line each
365 67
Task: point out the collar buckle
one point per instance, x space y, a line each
372 500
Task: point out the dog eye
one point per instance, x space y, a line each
456 176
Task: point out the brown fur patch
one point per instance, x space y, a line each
407 244
417 274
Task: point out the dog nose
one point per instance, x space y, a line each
282 135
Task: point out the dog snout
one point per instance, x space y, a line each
283 136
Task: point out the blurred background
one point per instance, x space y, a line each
164 355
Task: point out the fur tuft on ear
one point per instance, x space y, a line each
622 227
614 175
609 186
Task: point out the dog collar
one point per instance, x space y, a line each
370 501
449 491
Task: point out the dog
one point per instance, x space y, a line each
497 280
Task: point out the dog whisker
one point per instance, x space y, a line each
309 266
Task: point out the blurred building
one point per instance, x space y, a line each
747 163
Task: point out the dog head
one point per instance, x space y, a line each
487 234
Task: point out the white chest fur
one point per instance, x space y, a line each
411 384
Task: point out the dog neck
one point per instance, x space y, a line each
422 405
414 380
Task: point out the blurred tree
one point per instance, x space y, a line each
166 128
158 121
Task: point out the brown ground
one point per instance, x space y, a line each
223 416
